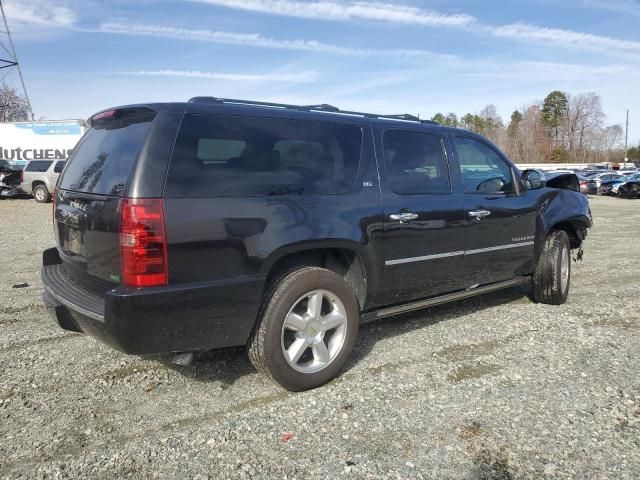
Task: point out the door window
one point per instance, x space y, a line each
58 167
415 163
483 171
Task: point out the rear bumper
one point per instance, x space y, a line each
26 187
194 317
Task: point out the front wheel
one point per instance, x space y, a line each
306 330
552 275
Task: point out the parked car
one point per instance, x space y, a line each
9 178
611 187
184 227
588 186
629 188
39 178
605 177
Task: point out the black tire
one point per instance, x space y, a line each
266 344
548 285
41 194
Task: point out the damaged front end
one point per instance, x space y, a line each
9 183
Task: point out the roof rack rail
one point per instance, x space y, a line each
324 107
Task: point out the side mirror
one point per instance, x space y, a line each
533 179
492 185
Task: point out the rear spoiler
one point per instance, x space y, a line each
111 114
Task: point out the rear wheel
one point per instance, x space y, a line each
306 330
41 194
552 275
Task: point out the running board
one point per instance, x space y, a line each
430 302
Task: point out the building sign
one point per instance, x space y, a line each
49 140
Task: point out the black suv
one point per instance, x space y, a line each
184 227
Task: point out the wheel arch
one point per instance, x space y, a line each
576 229
35 183
341 257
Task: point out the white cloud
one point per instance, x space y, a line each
301 77
258 40
403 14
38 12
333 10
584 41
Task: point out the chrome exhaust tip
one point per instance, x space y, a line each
184 359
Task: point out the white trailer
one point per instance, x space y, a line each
21 142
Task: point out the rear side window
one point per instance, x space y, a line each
221 155
59 167
415 163
102 162
38 166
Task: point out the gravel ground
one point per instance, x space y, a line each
494 387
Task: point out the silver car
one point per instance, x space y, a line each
39 178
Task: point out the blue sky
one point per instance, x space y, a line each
419 57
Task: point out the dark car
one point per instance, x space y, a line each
611 187
185 227
629 189
588 186
9 178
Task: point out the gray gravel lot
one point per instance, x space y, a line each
494 387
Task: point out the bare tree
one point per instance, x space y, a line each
13 107
561 128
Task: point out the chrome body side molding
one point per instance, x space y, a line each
424 258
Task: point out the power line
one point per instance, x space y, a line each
11 63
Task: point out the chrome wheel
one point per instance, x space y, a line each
564 269
39 194
314 331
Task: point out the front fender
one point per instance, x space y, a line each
565 209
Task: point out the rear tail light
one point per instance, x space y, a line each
143 245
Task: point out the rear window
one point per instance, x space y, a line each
102 161
59 167
38 166
220 155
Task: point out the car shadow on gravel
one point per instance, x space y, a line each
20 196
374 332
227 365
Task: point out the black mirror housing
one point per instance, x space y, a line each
533 179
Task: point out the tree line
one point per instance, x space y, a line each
563 128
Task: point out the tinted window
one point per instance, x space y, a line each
482 168
415 163
59 167
247 156
38 166
102 161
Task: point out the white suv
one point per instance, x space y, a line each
39 178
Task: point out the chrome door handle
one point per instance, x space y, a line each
479 214
403 216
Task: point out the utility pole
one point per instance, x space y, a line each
7 65
626 139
